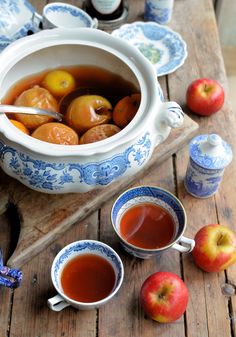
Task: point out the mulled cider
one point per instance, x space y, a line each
147 226
88 278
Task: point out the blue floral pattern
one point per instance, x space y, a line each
47 176
10 278
209 155
15 21
170 48
67 9
85 247
201 182
146 194
161 15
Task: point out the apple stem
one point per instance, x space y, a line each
220 239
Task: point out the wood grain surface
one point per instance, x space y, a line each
44 217
24 313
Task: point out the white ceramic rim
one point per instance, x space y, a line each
64 5
120 49
97 303
167 29
144 250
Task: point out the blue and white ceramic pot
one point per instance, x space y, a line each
209 155
53 168
159 11
15 21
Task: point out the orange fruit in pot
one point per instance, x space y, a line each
99 132
87 111
19 126
39 98
56 133
125 109
59 82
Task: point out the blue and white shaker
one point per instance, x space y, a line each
159 11
209 155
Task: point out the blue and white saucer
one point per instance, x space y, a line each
15 21
163 47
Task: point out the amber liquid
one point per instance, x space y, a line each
147 226
88 278
100 81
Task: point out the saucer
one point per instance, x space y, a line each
15 21
163 47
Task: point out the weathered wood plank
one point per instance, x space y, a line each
131 318
45 217
30 314
5 293
207 314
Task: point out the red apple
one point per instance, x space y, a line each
215 248
164 297
205 96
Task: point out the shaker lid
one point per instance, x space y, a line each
210 151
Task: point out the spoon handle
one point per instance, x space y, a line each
30 111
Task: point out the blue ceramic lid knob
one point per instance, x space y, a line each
210 151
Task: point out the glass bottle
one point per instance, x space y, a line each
104 9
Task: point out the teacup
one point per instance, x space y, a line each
63 15
155 207
85 270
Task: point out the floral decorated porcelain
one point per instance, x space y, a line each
157 196
52 168
74 249
159 11
163 47
63 15
9 277
209 155
15 21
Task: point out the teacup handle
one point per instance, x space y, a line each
57 303
187 247
37 19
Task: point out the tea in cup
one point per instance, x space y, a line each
63 15
86 275
149 220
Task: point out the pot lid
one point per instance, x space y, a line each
210 151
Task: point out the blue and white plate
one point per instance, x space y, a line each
163 47
15 21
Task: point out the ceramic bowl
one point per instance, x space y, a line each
15 21
63 15
52 168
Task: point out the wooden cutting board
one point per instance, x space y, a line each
44 217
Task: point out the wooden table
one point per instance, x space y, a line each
24 312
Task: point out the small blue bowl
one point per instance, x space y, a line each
157 196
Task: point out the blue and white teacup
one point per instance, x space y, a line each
158 196
61 300
63 15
